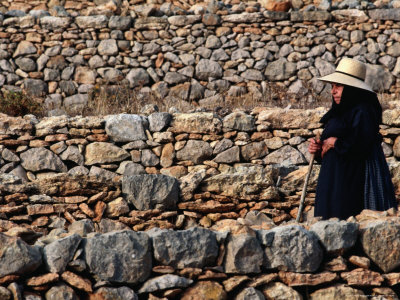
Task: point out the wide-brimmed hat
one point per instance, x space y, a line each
349 72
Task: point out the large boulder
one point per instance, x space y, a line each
17 257
291 248
149 191
122 256
193 248
381 242
126 127
59 253
336 236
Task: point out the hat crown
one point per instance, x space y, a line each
352 67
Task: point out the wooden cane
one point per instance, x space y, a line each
304 192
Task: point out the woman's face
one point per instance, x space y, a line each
337 91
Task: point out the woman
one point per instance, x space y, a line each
354 174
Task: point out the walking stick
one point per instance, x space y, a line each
303 193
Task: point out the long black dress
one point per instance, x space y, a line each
354 174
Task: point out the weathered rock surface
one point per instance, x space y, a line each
336 236
290 248
17 257
41 159
195 247
101 152
243 254
126 128
338 292
204 290
59 253
380 241
164 282
279 291
109 293
122 256
151 191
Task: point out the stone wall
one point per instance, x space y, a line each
193 55
108 207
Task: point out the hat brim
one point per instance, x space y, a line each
346 80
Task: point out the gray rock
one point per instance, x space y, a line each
41 159
126 127
18 258
190 182
254 150
285 156
151 191
51 23
72 154
222 145
378 78
79 170
213 42
243 254
250 293
280 69
96 22
76 103
121 293
168 281
61 291
35 87
151 49
301 16
138 77
253 75
82 227
122 256
380 241
128 168
67 87
174 78
149 159
291 248
208 68
8 155
108 225
336 236
59 253
195 151
102 174
239 121
108 47
26 64
385 14
120 22
193 248
258 218
101 152
159 121
228 156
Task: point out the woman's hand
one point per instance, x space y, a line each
315 146
328 144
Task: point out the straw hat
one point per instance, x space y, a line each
349 72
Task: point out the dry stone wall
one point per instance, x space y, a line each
180 206
192 55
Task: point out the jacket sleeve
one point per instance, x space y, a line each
360 137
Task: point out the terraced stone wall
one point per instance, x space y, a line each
180 55
182 205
